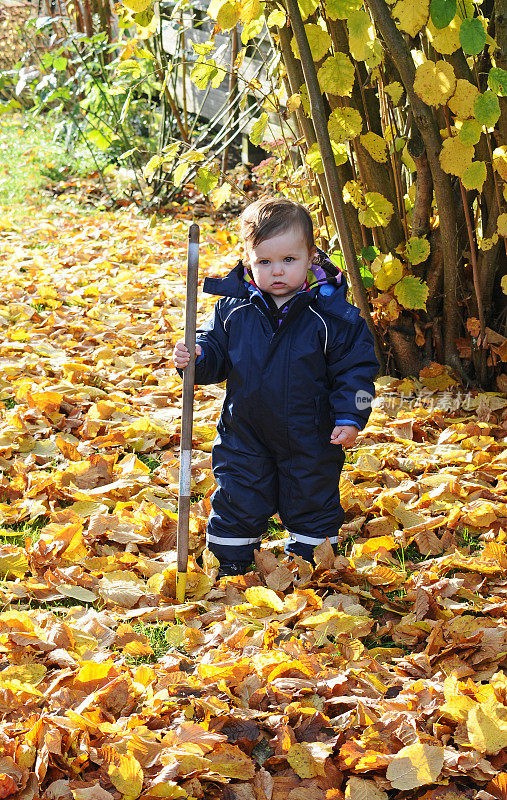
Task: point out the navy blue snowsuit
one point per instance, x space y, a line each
288 384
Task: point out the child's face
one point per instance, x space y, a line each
279 264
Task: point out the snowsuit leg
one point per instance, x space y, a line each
309 496
246 496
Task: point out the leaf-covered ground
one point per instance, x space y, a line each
377 675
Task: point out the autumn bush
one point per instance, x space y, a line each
398 114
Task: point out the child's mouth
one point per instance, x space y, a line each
277 285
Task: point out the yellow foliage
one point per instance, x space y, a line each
376 210
435 82
455 156
462 101
500 161
344 124
386 270
445 40
412 16
318 39
375 145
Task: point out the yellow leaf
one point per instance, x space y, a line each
488 243
126 775
137 6
165 790
302 759
386 270
487 727
249 10
373 545
375 145
221 195
458 707
395 91
353 192
455 156
228 16
231 762
232 671
411 292
137 649
500 161
13 561
434 82
342 9
314 159
262 597
362 789
361 35
462 101
344 123
414 766
474 175
318 39
336 75
502 225
412 15
93 672
445 40
124 588
31 673
417 249
377 210
293 103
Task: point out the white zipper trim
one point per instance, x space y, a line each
232 312
325 327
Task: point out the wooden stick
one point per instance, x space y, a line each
187 414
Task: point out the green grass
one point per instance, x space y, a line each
31 161
27 528
149 461
156 634
466 538
58 607
410 553
372 641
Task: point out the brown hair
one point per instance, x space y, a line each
270 216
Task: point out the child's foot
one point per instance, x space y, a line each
236 568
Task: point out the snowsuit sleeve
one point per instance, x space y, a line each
352 366
212 366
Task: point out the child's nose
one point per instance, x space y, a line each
278 269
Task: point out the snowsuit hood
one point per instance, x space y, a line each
327 285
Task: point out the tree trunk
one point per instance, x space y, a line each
423 118
331 176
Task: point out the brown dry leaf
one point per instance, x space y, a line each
362 789
229 761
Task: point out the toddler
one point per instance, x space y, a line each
299 363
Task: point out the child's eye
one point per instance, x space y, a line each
264 261
289 258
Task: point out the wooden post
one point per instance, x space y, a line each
187 414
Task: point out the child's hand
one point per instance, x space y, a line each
181 356
345 435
